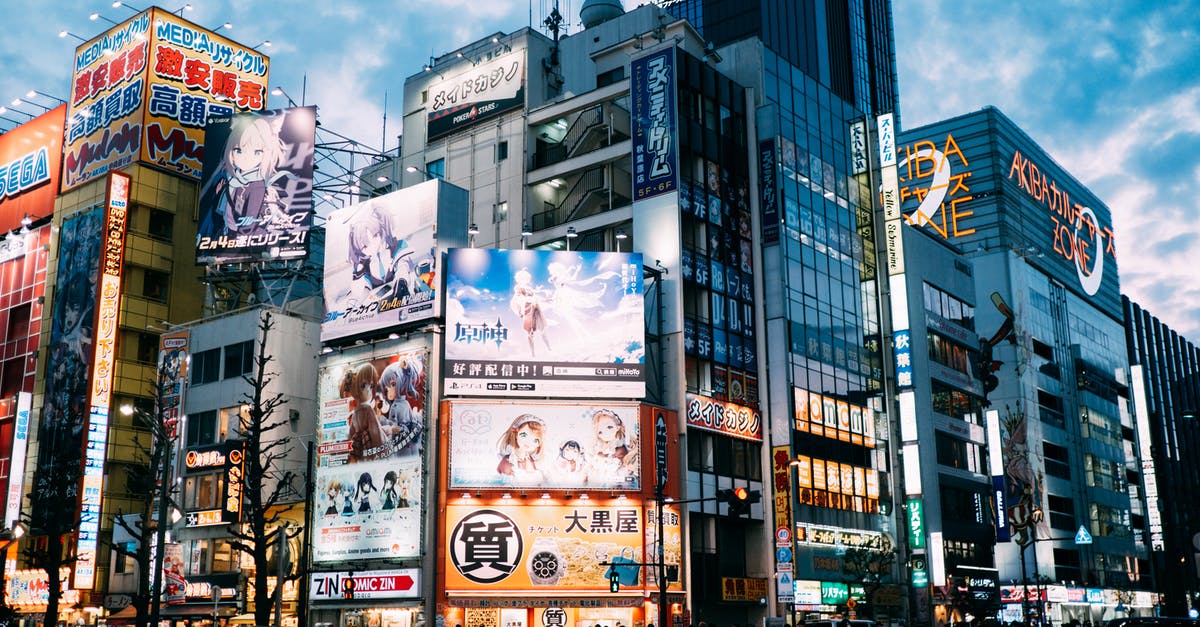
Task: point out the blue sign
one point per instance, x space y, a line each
652 95
1003 533
1082 536
1095 596
902 350
783 555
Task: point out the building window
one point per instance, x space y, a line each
949 354
500 212
206 366
202 428
155 284
147 348
162 225
957 453
202 491
197 556
501 151
121 561
239 359
612 76
436 169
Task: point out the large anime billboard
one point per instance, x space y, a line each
544 323
144 91
256 193
479 94
544 445
371 441
381 262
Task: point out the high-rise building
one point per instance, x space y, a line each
1018 439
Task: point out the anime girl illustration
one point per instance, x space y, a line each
571 463
575 300
527 303
382 260
387 494
366 485
347 501
610 449
244 193
397 393
332 492
521 449
366 434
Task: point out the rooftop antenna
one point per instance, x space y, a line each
553 23
383 138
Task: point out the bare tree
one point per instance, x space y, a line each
144 479
267 483
53 517
870 565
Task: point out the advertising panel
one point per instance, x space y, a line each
172 378
145 89
768 193
197 76
479 94
546 445
369 457
544 323
652 97
381 262
726 418
256 192
112 258
20 447
30 164
403 583
551 547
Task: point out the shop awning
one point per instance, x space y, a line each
125 616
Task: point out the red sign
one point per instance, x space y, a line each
728 418
30 163
378 584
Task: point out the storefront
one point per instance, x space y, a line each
373 598
1072 605
28 592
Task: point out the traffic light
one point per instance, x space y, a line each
739 500
348 588
614 580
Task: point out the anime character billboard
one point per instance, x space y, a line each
369 457
256 192
544 323
545 445
381 262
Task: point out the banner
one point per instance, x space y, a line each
545 445
369 458
542 548
381 262
479 94
652 97
544 323
173 364
256 192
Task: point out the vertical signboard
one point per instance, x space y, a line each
544 323
235 472
30 163
479 94
652 96
104 363
256 192
173 365
144 91
371 439
20 446
768 191
889 191
381 262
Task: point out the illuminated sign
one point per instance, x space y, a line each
32 588
479 94
834 593
726 418
30 159
367 291
544 323
205 518
401 583
256 191
902 351
837 486
843 421
916 523
235 467
947 170
145 89
652 97
1149 471
546 445
103 366
173 364
20 446
544 548
205 457
370 441
768 194
751 589
781 458
821 535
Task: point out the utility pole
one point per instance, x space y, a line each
161 528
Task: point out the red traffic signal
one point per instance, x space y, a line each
739 500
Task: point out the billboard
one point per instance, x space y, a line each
545 445
544 323
652 98
256 192
381 262
542 548
481 93
726 418
30 164
173 362
70 350
144 91
371 439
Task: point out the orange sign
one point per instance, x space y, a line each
525 548
30 162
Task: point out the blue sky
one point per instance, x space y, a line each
1110 89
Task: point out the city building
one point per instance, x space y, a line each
1165 393
1042 373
